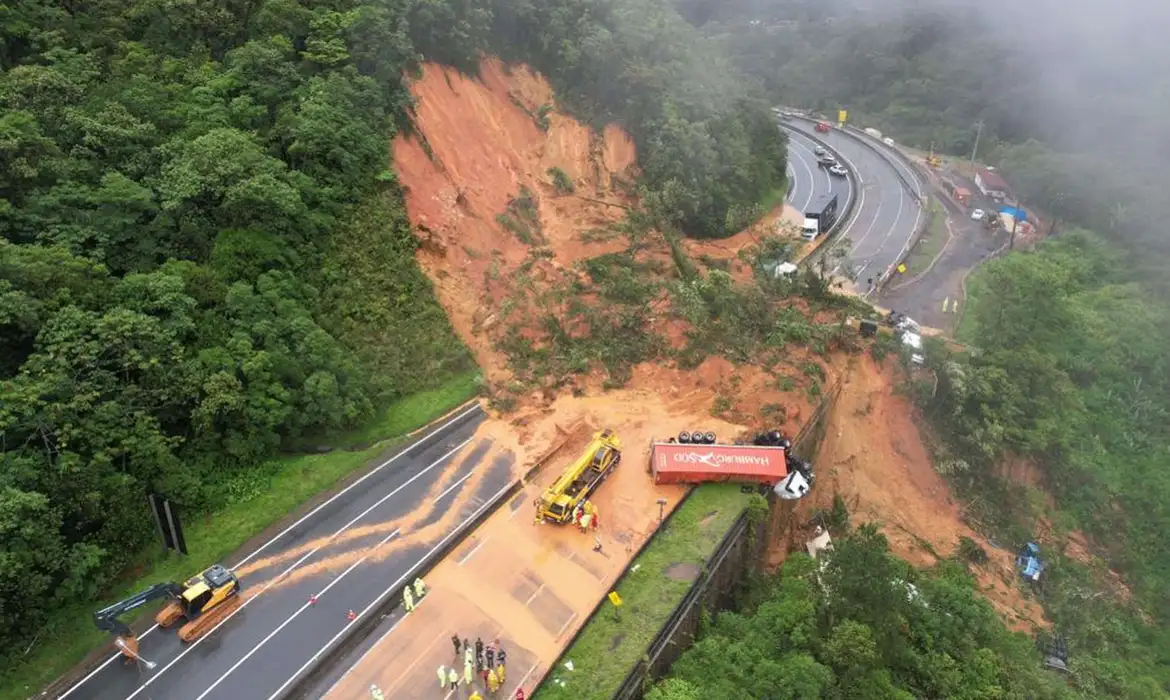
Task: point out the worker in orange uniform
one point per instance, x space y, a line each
594 515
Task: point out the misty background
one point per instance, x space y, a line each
1073 95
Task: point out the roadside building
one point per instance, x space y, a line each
992 184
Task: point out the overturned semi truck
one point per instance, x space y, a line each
767 462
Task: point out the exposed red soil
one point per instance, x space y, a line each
484 145
875 457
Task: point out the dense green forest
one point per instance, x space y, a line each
864 624
1072 103
707 145
205 257
1070 369
1072 373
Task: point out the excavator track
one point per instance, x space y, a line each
170 614
207 621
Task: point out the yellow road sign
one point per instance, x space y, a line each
902 268
841 115
615 599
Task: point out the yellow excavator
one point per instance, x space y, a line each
580 479
203 600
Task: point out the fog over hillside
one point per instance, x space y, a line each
1089 80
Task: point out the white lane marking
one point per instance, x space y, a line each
812 187
284 573
470 554
567 623
533 596
857 213
363 656
810 146
890 232
332 583
522 679
442 543
287 530
860 203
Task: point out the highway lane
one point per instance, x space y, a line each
809 179
345 554
886 214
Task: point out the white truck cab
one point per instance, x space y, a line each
810 230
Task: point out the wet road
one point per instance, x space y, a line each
345 554
924 296
808 179
886 214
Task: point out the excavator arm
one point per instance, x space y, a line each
107 618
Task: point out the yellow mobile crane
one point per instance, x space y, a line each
582 477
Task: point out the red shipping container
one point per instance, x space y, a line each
678 463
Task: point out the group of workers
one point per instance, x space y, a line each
585 516
420 590
488 661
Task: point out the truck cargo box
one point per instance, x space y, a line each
677 463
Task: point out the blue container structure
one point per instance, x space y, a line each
1028 562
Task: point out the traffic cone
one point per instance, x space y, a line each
351 615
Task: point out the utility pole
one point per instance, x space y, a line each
978 134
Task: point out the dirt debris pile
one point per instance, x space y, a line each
875 458
504 237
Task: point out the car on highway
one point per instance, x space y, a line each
978 215
820 150
827 161
838 170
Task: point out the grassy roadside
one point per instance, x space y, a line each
966 331
70 635
931 243
615 638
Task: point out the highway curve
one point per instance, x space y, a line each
887 212
440 480
808 179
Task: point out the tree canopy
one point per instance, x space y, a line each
200 263
205 256
862 625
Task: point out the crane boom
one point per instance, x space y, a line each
107 618
580 479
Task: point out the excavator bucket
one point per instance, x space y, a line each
129 647
207 621
170 614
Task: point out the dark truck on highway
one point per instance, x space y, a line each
819 217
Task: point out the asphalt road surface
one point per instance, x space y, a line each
346 553
886 214
808 179
924 296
